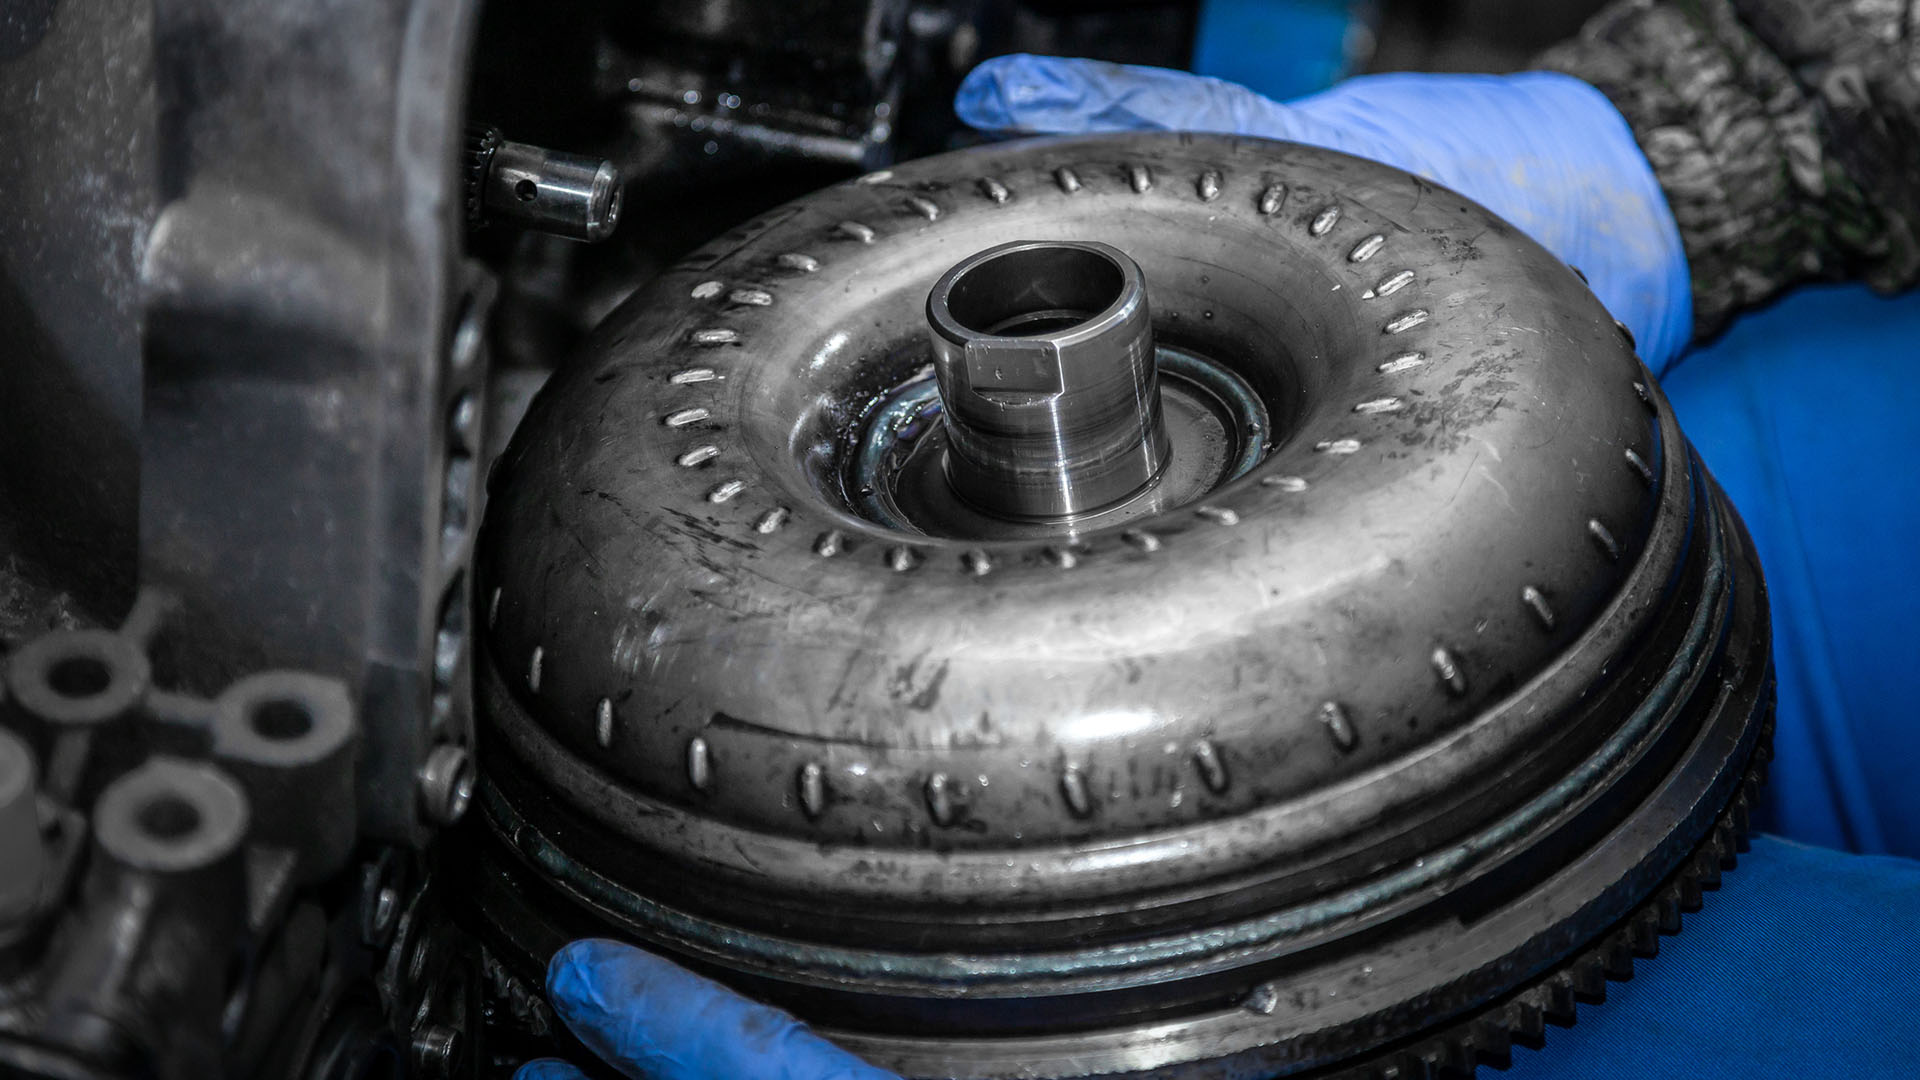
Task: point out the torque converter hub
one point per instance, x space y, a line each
1147 606
1044 357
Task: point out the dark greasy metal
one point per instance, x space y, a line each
247 290
167 858
1044 356
312 341
140 980
1251 784
570 195
77 174
20 849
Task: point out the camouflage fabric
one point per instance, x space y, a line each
1786 134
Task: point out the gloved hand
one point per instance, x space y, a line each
1543 150
650 1018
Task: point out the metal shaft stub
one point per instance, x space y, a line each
1043 351
568 195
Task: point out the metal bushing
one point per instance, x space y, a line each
446 784
570 195
290 738
78 677
171 816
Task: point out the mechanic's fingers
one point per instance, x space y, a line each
548 1069
652 1018
1052 94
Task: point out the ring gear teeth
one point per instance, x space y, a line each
1487 1038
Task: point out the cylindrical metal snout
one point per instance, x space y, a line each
570 195
1044 355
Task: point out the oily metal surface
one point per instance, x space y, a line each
954 798
1216 430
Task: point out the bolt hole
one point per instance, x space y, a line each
281 719
79 676
525 191
169 817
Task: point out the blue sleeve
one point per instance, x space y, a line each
1802 966
1808 413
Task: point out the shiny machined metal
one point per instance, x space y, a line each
1043 351
569 195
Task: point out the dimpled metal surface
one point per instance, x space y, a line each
1253 784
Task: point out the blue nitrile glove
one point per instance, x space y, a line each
1802 966
656 1020
1545 151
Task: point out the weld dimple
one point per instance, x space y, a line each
603 723
1339 726
1392 283
1367 248
811 785
1324 221
1536 602
686 416
1406 321
1603 538
1447 669
1213 770
1073 788
697 456
1639 466
1272 199
699 764
940 802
